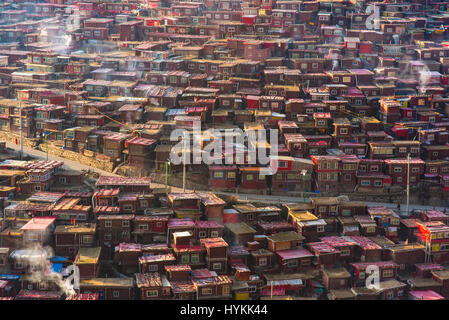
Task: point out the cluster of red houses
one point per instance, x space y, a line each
131 241
360 106
351 101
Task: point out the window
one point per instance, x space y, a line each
144 203
415 170
33 236
107 236
345 252
127 207
370 229
116 294
206 291
231 175
263 261
152 293
87 239
378 183
249 177
343 130
216 266
219 174
226 290
320 228
143 227
397 169
292 263
214 234
152 268
185 258
202 234
387 273
108 224
195 258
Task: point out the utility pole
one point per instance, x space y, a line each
166 175
46 143
303 172
184 177
21 133
408 182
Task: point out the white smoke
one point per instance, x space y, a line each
424 77
40 271
334 64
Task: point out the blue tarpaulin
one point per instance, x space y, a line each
56 267
58 259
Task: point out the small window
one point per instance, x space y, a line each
292 263
388 273
206 291
116 294
108 224
152 293
87 239
202 234
195 258
185 258
219 174
216 266
153 268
